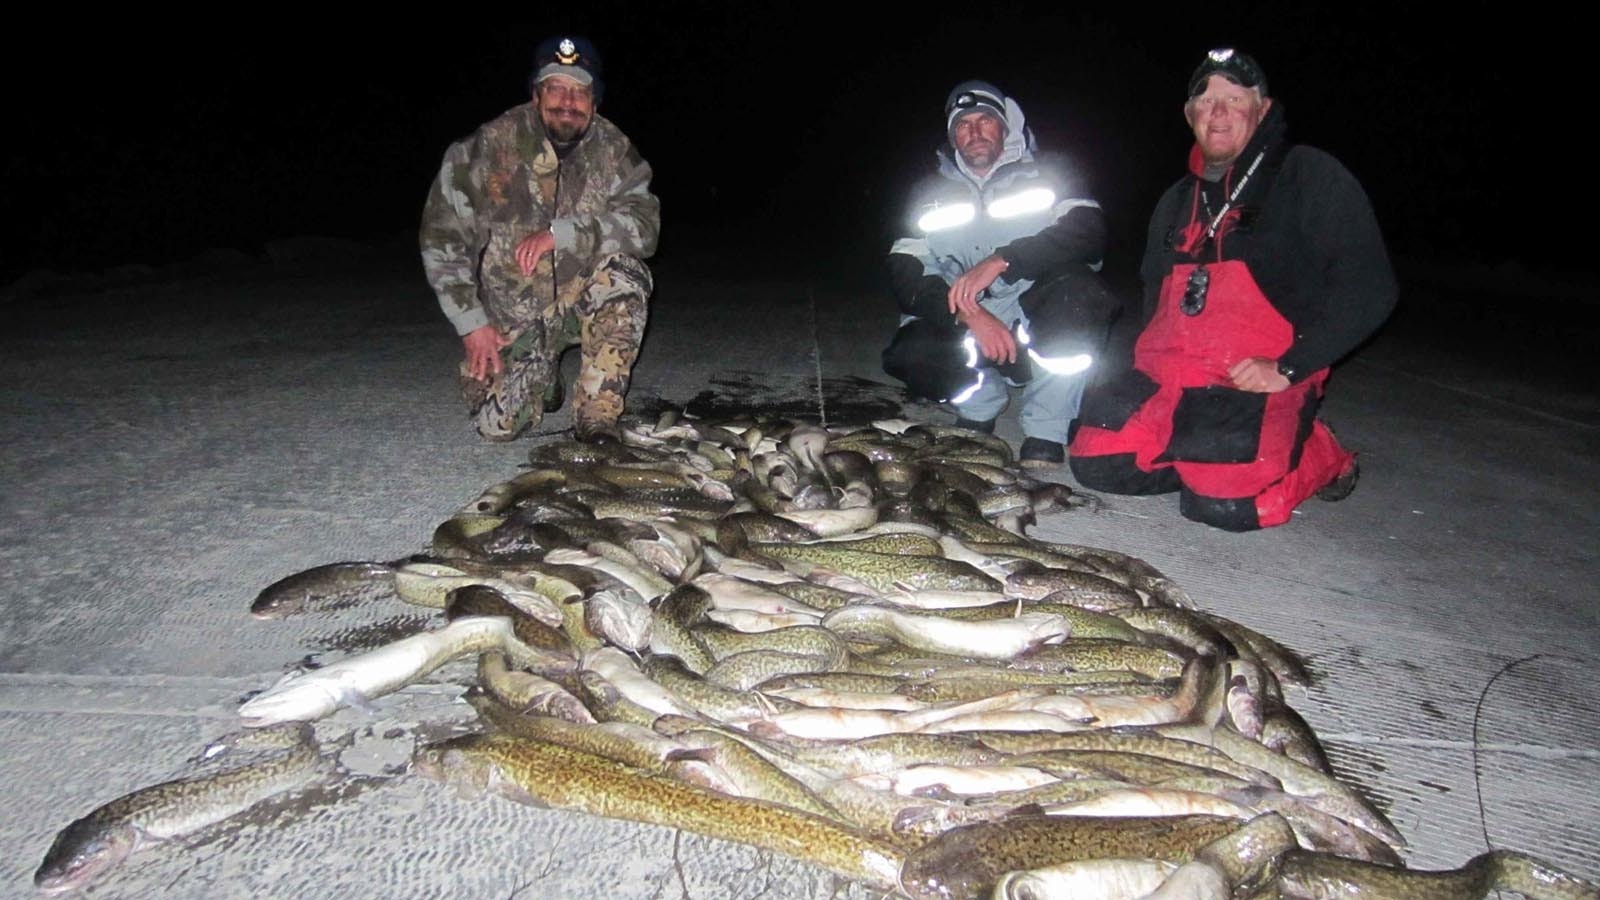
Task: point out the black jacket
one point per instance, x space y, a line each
1306 231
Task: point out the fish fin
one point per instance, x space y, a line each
349 696
1027 809
761 728
766 703
509 789
695 754
672 724
936 792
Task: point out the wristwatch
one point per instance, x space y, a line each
1286 370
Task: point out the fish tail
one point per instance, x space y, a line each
1533 878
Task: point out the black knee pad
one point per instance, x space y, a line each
1116 473
1234 514
930 360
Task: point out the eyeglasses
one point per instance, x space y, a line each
1194 293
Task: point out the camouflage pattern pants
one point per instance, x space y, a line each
605 316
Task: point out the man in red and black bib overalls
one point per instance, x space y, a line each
1263 266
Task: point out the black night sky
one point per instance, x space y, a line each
782 137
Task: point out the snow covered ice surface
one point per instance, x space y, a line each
172 444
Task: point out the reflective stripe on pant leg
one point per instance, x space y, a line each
988 401
612 312
929 357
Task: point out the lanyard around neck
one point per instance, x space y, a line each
1233 196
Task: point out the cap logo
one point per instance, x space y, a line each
567 52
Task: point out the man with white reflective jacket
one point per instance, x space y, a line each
997 279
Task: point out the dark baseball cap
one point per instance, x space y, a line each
568 55
1237 67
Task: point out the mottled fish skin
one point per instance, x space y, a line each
905 543
1282 661
804 640
486 600
832 681
562 778
744 671
976 529
1303 874
1180 625
333 586
882 753
755 777
1313 828
1084 623
100 840
1242 857
707 698
626 743
1285 731
965 863
1083 589
1128 740
501 497
458 535
669 638
1101 655
1321 790
1134 768
972 684
758 526
529 693
818 596
884 570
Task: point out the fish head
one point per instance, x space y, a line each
450 762
1243 708
82 852
624 623
278 602
928 884
661 554
301 699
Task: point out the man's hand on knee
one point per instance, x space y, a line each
483 351
1258 375
532 249
994 339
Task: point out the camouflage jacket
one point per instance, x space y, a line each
503 183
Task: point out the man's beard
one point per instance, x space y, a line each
565 130
981 158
